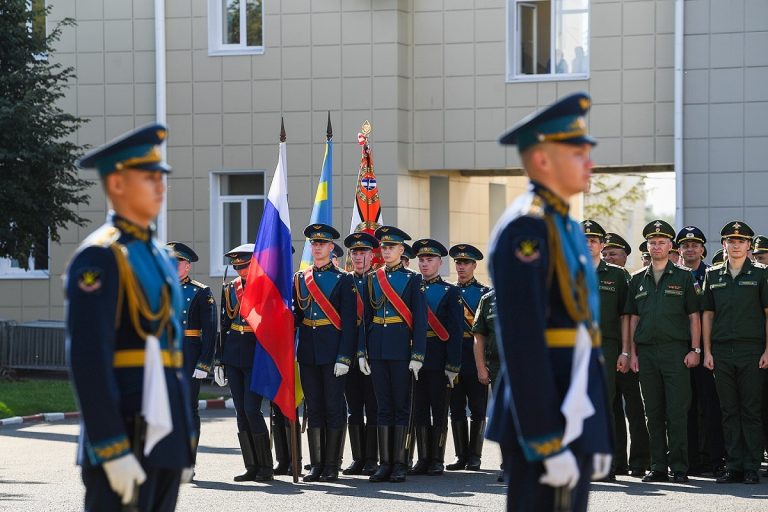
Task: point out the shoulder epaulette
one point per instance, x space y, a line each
759 265
715 267
102 237
613 265
534 208
198 284
638 272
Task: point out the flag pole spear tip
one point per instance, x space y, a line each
329 131
282 130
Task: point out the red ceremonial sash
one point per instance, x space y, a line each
321 299
393 297
435 325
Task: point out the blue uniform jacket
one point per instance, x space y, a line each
198 321
394 341
319 341
534 331
121 286
238 340
471 292
443 298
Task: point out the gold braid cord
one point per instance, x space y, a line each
304 302
374 303
231 311
138 307
578 306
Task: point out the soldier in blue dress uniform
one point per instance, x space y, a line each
468 391
554 429
324 306
361 400
198 320
234 365
393 339
441 361
407 255
123 305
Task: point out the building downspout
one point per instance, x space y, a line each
160 106
678 114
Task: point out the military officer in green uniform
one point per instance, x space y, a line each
665 329
760 249
735 307
628 402
612 281
719 257
645 256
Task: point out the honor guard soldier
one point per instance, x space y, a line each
665 330
706 449
468 390
198 320
124 338
337 254
407 256
735 307
361 400
629 401
616 250
613 283
393 339
234 364
760 251
325 303
554 429
441 361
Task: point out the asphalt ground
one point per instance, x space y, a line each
37 472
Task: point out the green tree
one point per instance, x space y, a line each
608 199
39 183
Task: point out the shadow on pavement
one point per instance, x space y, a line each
695 486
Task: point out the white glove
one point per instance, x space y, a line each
601 465
562 470
187 474
125 475
415 366
451 377
199 374
218 376
363 364
340 369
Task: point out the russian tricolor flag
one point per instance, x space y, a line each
266 303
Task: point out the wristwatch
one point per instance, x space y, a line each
696 349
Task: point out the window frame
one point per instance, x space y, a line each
513 35
20 273
215 46
216 209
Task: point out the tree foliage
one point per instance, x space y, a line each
39 183
608 200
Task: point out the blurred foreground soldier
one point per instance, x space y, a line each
706 449
760 251
393 339
554 427
629 401
199 325
616 250
124 338
665 330
735 307
441 360
361 400
324 299
236 368
468 391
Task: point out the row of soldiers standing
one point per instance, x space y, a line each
383 353
694 338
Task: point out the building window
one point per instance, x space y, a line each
547 40
237 203
37 263
235 27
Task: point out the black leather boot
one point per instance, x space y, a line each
422 444
315 439
385 455
399 467
262 453
282 455
356 444
460 443
371 450
334 449
246 448
437 451
476 438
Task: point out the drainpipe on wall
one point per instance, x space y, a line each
678 106
160 110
